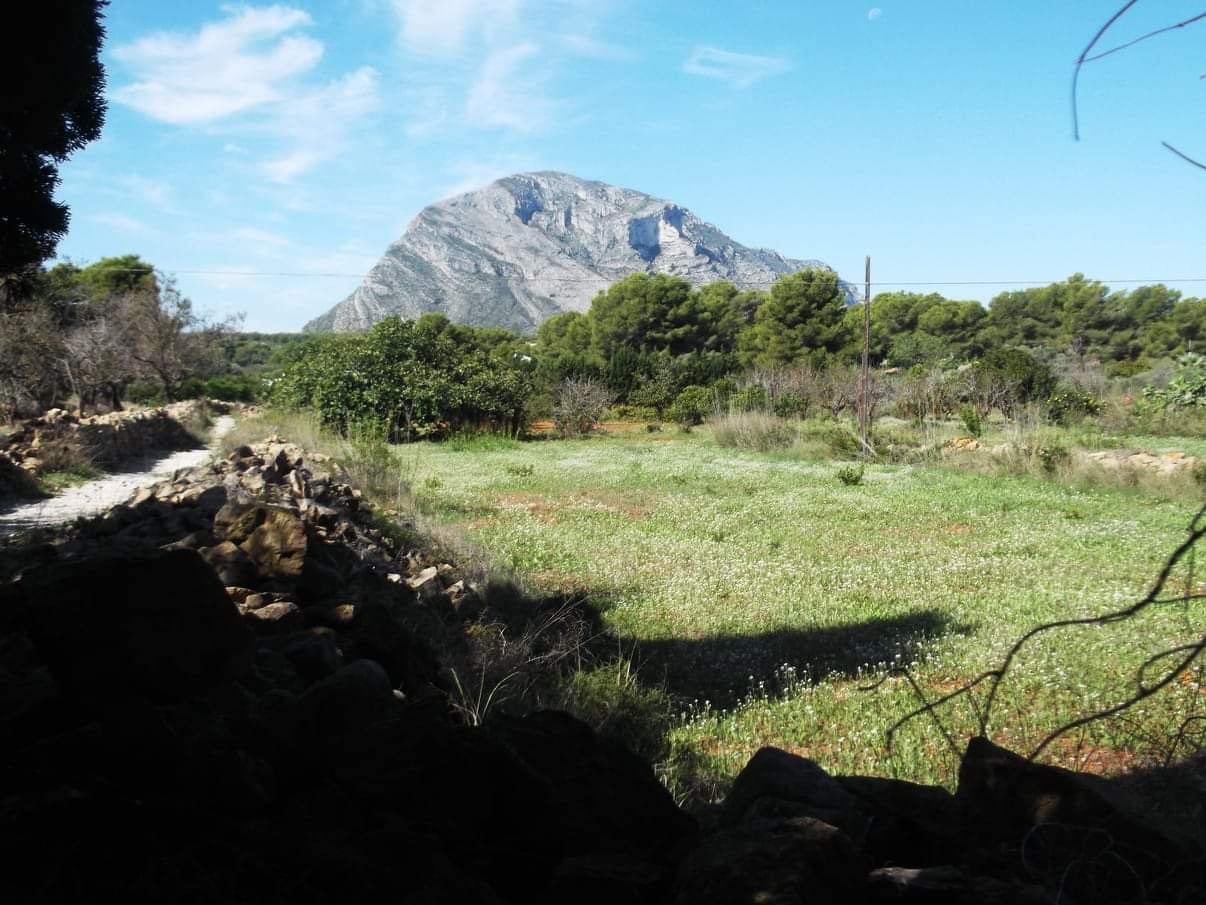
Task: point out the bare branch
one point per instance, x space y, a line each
1151 34
1084 54
1185 157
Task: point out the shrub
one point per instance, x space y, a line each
1052 456
1069 405
1186 389
837 440
850 475
418 379
233 388
790 405
749 399
972 423
580 403
692 405
626 412
1007 378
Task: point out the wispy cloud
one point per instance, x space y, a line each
740 70
320 123
443 26
254 236
469 175
504 94
152 191
122 222
239 63
594 49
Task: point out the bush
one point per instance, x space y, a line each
1052 456
579 404
972 423
1070 405
1186 389
233 388
692 406
790 405
1008 378
145 392
418 379
837 440
750 399
851 475
625 412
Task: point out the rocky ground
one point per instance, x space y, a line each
236 687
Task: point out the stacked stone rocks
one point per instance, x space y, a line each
103 440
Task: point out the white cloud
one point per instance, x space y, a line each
442 26
501 96
469 175
239 63
320 122
259 237
594 49
152 191
122 222
740 70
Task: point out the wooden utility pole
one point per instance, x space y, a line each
864 388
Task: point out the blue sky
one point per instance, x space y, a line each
934 135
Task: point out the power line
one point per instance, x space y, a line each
580 280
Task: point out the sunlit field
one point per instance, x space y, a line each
765 596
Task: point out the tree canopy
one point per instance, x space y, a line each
52 105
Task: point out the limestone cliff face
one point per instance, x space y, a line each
535 244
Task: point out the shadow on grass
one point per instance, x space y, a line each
725 668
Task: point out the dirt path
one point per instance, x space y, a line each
97 496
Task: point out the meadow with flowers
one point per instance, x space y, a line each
762 597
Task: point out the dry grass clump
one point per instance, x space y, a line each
63 452
760 431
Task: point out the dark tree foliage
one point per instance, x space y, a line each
52 104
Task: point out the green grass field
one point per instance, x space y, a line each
764 595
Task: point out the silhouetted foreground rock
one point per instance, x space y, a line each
232 690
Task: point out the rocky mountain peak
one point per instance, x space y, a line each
532 245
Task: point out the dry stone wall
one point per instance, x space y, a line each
104 440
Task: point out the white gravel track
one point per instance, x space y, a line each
96 496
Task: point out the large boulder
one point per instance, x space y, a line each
910 824
234 567
277 545
1074 830
778 783
158 625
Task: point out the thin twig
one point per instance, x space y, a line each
1150 34
1080 61
1184 156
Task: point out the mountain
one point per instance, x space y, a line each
531 245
